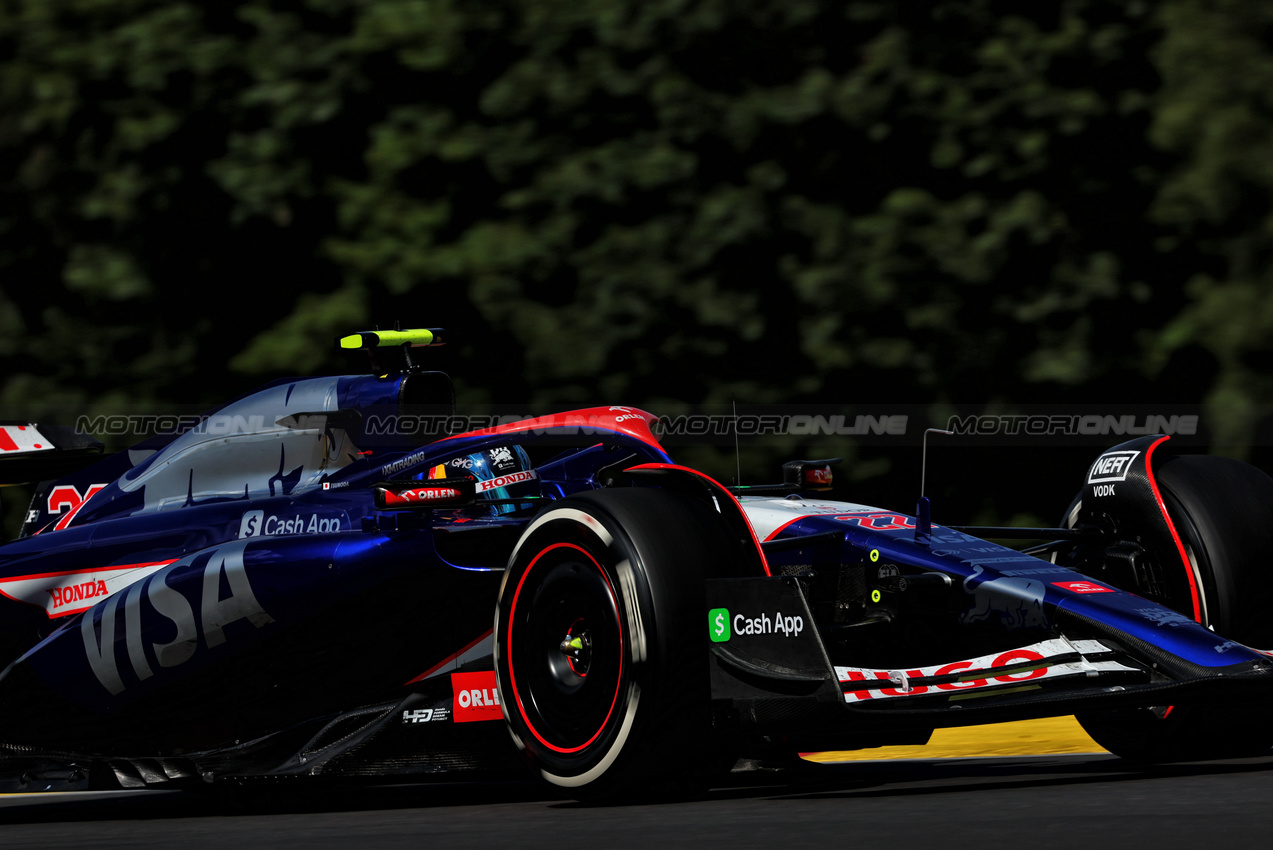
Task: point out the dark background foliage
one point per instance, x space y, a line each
667 203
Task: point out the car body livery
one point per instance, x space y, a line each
284 591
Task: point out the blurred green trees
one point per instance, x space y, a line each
643 201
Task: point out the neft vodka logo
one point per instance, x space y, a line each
1110 467
153 598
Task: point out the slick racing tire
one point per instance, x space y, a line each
1221 510
600 649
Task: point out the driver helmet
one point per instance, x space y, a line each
501 472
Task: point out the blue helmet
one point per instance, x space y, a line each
501 472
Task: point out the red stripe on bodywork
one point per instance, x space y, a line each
445 661
628 421
1180 547
780 528
88 570
6 442
720 488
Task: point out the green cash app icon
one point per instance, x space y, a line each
718 624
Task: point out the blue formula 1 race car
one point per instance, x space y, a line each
283 592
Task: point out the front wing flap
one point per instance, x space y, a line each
769 665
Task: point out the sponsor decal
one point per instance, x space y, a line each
1083 586
1111 466
476 697
718 625
625 413
64 593
879 521
63 596
501 455
506 480
818 475
153 598
721 627
68 497
335 485
421 495
1027 664
425 715
1037 571
1017 603
1165 617
398 465
257 524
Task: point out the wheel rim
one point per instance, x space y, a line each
565 648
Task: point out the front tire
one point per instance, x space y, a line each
600 655
1220 507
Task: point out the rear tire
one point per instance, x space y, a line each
600 655
1221 510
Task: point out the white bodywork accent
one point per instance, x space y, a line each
890 684
56 593
767 516
24 438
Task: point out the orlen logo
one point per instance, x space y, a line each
1083 587
67 496
422 495
1111 466
476 697
625 413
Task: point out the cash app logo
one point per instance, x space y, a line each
718 624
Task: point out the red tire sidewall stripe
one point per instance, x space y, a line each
512 679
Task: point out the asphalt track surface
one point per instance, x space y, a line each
1028 802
